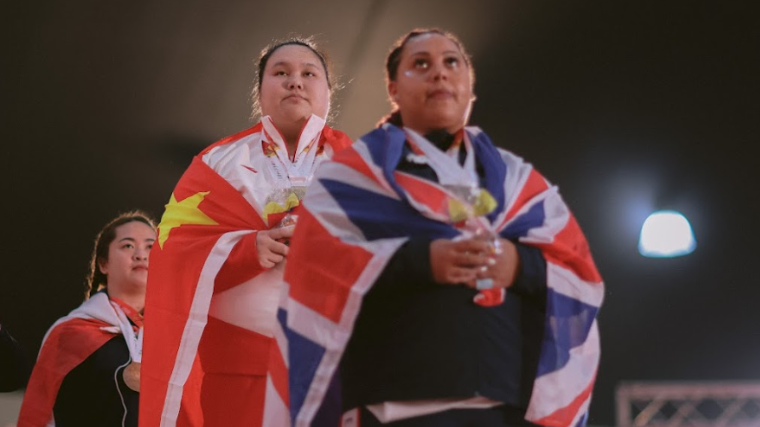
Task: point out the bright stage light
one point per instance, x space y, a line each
666 234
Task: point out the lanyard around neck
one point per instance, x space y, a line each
460 181
299 171
133 339
445 164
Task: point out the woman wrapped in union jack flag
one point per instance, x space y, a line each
434 278
216 271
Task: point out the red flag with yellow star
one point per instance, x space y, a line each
210 310
203 234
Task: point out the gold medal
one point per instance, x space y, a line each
132 376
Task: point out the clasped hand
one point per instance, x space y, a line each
465 261
270 246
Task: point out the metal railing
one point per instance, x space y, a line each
692 404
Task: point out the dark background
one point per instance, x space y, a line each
627 106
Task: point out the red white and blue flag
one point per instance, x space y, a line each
360 210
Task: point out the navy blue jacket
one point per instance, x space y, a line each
415 339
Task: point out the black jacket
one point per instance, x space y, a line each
415 339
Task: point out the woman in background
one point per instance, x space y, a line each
88 369
222 245
435 279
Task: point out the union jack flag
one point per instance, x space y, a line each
360 210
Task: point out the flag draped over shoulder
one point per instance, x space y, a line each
206 248
204 221
68 343
361 210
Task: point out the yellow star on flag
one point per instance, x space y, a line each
182 213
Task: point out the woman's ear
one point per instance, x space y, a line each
103 266
393 91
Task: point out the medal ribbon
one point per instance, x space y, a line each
467 199
133 338
445 164
300 170
291 177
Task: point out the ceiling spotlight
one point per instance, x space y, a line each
666 234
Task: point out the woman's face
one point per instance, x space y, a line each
433 87
127 264
293 86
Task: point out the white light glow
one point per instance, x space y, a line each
666 234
